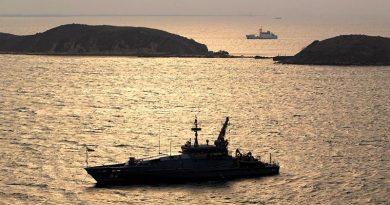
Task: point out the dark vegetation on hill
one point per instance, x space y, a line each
343 50
77 39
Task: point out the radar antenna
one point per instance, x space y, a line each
196 129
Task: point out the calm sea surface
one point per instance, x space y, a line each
328 127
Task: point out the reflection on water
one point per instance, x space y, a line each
217 184
327 127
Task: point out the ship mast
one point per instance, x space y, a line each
196 129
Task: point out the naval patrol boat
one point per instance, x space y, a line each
196 162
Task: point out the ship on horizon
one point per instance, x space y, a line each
195 163
262 35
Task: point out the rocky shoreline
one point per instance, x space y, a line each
345 50
87 40
103 40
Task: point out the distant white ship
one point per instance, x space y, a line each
262 35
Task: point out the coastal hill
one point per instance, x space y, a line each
77 39
344 50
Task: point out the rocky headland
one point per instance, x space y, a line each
78 39
343 50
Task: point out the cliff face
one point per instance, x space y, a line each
74 39
345 50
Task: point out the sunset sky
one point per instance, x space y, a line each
354 8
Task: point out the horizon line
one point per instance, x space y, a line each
70 15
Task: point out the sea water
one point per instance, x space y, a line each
327 127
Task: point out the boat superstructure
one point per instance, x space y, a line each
262 35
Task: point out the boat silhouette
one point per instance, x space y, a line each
195 163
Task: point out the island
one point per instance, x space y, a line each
79 39
343 50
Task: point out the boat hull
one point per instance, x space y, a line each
264 38
126 175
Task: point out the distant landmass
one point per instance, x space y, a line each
77 39
343 50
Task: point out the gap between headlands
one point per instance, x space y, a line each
104 40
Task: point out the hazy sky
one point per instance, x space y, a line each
361 8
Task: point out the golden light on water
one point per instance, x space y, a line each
327 126
315 121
